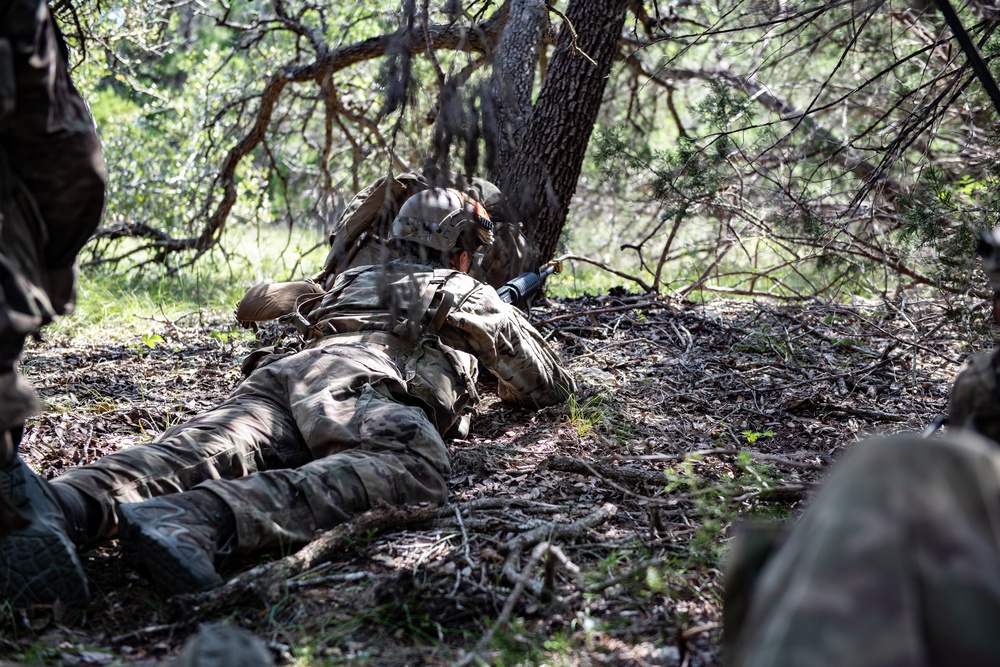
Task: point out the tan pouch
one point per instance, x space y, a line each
272 300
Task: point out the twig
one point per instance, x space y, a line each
572 34
617 343
341 578
601 265
264 581
553 531
465 538
149 630
508 608
601 311
630 476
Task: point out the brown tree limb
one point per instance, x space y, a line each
328 61
633 477
263 583
610 269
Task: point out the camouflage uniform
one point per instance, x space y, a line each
356 239
51 192
897 562
313 437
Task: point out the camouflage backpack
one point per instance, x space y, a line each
359 236
358 239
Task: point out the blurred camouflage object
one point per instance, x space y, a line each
219 645
52 181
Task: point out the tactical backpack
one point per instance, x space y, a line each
359 239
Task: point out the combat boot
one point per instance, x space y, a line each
176 538
38 561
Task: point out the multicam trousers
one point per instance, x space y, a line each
897 562
303 444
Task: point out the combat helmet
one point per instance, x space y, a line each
975 397
443 219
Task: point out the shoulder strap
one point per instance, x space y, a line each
308 329
429 313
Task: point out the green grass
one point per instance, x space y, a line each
116 302
580 280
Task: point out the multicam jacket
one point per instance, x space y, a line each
435 324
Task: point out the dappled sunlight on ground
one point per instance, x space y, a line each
613 511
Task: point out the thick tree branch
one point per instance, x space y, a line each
328 61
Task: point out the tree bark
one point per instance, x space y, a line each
543 162
511 84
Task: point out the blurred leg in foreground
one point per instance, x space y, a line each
52 180
897 562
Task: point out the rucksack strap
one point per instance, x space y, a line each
429 313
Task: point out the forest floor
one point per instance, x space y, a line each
587 534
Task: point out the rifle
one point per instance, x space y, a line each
934 426
972 54
519 290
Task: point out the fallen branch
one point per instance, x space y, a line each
265 581
550 533
633 477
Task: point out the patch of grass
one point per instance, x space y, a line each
716 504
583 417
115 302
517 645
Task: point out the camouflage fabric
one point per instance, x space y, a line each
896 562
313 437
51 185
974 402
220 645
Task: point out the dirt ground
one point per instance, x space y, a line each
588 534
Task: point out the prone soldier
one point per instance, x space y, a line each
313 437
897 560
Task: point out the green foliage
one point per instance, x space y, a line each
944 216
754 436
583 417
151 340
716 504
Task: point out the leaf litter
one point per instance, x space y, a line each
589 533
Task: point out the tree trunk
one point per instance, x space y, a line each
543 162
513 78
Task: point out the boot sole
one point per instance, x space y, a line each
169 568
39 566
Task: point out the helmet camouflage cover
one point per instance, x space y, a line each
443 219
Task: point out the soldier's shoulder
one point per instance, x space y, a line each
465 284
